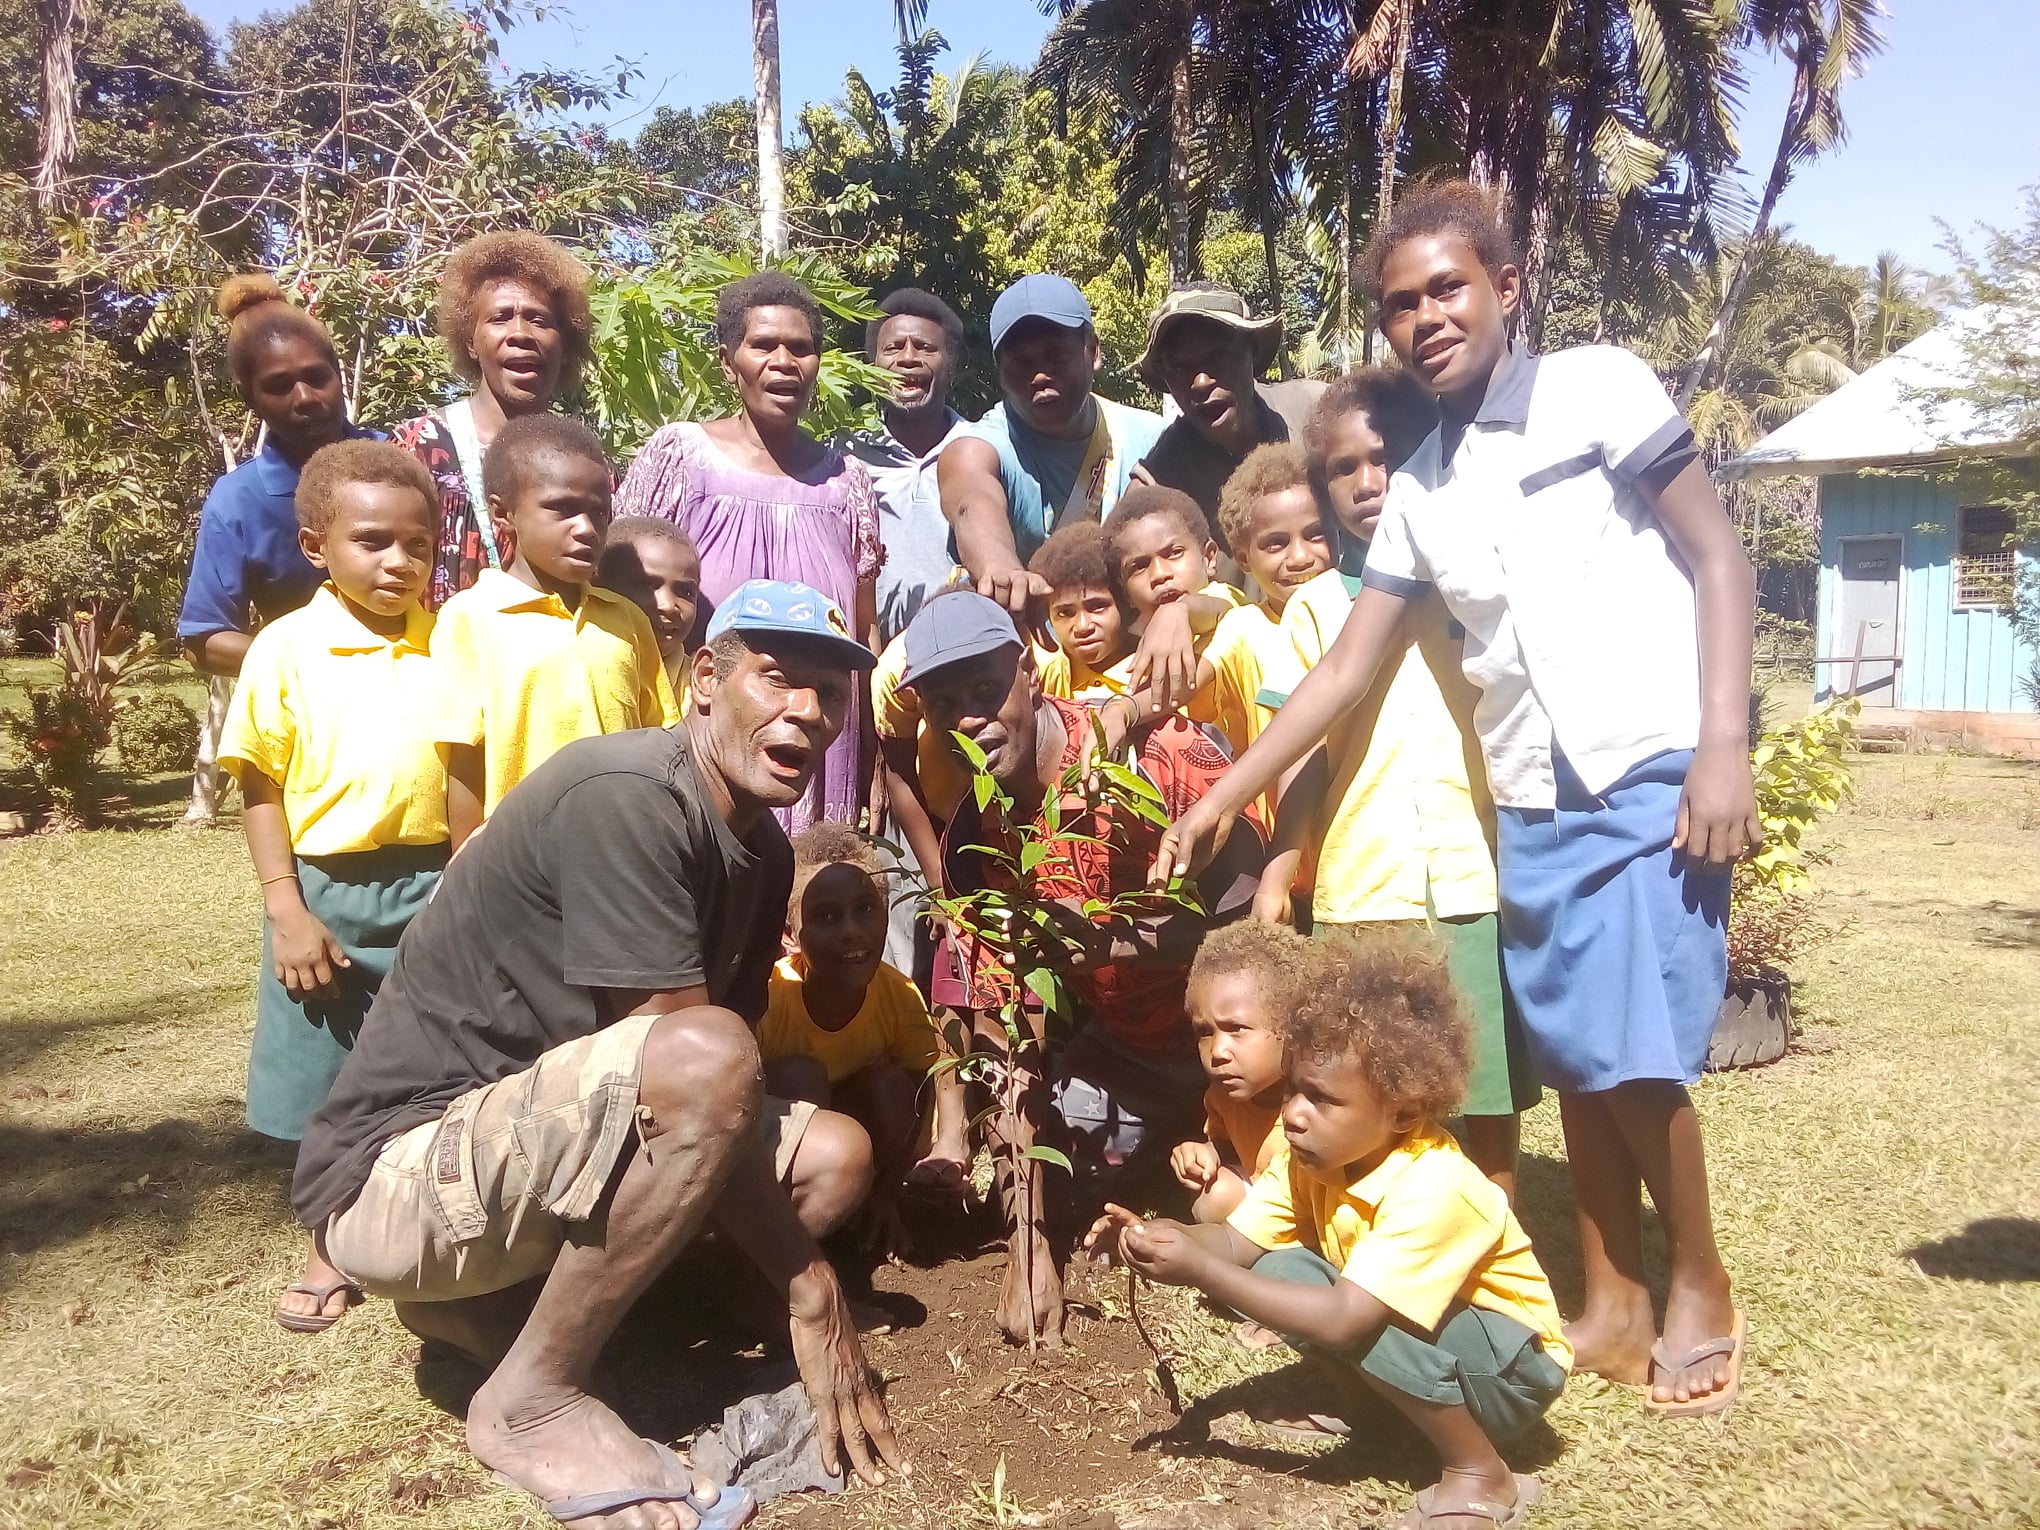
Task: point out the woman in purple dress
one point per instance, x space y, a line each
513 311
763 499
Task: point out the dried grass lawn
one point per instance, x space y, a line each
1878 1197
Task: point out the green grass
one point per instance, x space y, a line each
1878 1196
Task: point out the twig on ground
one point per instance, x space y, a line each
1164 1373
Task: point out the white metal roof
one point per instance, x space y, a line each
1877 419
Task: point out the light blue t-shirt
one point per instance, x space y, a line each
1039 471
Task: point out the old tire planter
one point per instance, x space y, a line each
1755 1023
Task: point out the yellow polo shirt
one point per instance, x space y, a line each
341 718
897 713
1066 675
1421 1232
1252 1131
1408 811
893 1025
520 675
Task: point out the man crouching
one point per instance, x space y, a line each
559 1080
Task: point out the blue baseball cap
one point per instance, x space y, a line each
954 626
781 608
1040 296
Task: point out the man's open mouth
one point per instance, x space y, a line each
788 760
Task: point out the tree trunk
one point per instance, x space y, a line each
62 22
771 154
1746 259
1176 198
203 811
1391 116
1264 192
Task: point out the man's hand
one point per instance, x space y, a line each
306 955
1718 820
1195 1165
1165 664
849 1413
1014 588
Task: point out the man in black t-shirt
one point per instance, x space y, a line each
559 1081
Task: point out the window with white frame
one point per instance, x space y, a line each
1985 561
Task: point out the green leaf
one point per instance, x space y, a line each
1050 1155
1045 986
971 752
984 788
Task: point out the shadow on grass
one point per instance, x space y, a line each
64 1185
2022 927
1995 1250
22 1040
1383 1445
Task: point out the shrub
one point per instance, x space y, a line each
61 735
156 734
1801 777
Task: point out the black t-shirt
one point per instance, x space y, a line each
606 868
1182 458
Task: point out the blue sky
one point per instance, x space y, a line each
1943 125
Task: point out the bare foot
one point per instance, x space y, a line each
563 1444
1615 1347
323 1304
1692 1318
1044 1300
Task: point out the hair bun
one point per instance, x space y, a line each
238 294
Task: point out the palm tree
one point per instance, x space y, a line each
771 149
1830 42
1890 308
63 21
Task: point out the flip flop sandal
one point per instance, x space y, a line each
1252 1335
320 1321
1307 1428
734 1507
1713 1402
1426 1508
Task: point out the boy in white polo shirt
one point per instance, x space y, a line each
1562 513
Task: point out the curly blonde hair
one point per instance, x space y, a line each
1383 1002
1274 955
1268 469
515 255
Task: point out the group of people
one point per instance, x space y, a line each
587 815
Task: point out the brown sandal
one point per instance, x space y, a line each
1512 1517
320 1321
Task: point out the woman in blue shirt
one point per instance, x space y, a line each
247 561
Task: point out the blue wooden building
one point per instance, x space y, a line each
1916 569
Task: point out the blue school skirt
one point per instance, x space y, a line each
365 899
1615 947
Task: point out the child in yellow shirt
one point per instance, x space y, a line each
534 655
849 1033
330 739
656 564
1163 562
1372 1242
1246 976
1088 615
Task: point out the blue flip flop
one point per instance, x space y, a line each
734 1507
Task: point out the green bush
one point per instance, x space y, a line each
155 734
61 735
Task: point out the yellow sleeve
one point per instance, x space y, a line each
1055 677
1218 589
261 727
1434 1230
895 710
909 1029
462 712
779 1033
1267 1217
1228 696
658 699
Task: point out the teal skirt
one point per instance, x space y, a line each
365 899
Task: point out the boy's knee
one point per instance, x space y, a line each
1298 1266
831 1172
700 1064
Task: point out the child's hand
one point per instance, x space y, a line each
1163 1252
1102 1241
1718 821
306 955
1166 661
1195 1165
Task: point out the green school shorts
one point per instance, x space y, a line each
1484 1361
